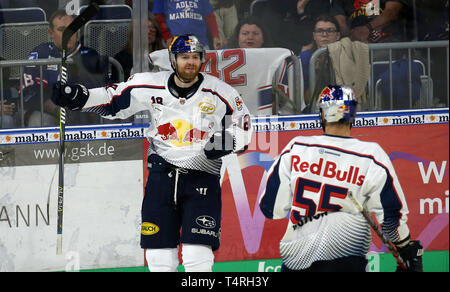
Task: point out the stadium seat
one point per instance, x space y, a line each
18 39
108 37
257 7
111 12
421 84
21 15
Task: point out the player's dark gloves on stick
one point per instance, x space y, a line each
72 96
220 144
412 255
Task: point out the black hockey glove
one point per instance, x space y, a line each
412 255
72 96
220 144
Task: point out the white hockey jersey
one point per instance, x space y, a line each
179 128
309 183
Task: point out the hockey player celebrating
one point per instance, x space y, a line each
195 120
310 181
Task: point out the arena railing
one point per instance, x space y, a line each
20 98
283 104
388 53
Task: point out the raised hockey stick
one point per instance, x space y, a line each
73 27
377 230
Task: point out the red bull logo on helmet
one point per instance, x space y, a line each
343 109
328 93
181 133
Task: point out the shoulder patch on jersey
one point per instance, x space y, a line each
239 102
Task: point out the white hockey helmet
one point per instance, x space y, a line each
338 103
187 43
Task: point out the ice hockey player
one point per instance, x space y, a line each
309 182
196 119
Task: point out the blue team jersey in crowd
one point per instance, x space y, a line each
88 68
185 17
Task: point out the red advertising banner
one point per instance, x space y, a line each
417 144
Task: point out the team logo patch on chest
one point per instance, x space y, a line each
206 108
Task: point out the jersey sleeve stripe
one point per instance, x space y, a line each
391 206
267 202
119 101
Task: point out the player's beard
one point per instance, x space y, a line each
188 74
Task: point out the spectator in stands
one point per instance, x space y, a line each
432 20
226 17
298 25
326 31
88 68
251 33
385 22
155 43
187 17
7 107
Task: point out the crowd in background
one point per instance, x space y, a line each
302 26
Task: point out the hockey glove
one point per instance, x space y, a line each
72 96
220 144
412 255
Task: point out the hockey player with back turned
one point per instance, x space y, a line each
196 119
310 181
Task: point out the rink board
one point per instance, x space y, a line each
102 202
105 175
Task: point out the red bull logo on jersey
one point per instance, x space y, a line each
181 133
328 169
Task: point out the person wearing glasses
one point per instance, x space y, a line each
326 31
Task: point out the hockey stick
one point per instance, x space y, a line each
73 27
377 230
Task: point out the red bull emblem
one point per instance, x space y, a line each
344 109
238 103
327 94
181 133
